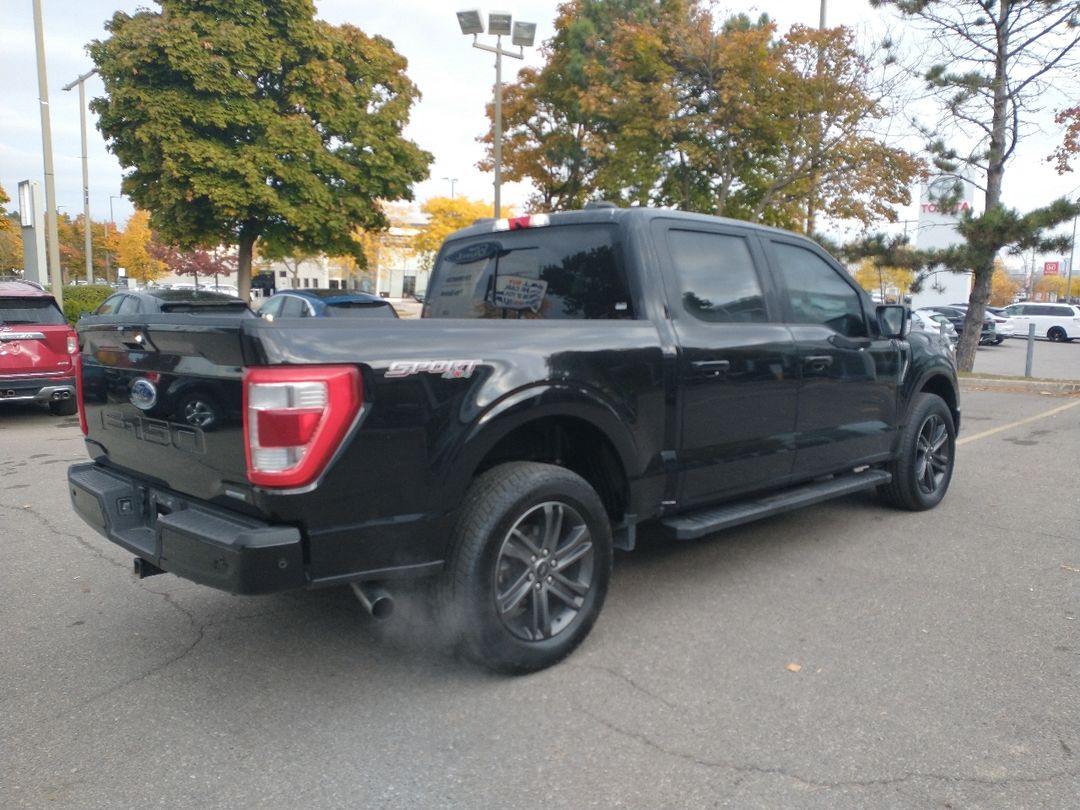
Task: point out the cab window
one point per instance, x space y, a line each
717 278
817 292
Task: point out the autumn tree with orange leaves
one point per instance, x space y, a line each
657 104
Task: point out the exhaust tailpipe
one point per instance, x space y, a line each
374 598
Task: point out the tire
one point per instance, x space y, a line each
64 407
999 340
511 604
1056 334
922 470
199 409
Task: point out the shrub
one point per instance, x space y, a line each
84 298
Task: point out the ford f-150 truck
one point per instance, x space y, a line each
573 375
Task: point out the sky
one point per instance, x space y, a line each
454 78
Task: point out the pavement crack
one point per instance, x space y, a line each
815 784
53 530
635 685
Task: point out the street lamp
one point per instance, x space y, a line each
451 181
522 34
81 81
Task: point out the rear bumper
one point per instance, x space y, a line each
36 389
185 537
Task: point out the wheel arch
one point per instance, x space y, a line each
571 429
940 385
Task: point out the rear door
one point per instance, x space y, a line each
849 374
737 378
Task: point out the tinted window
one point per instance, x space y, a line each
817 292
129 305
359 309
109 305
271 307
293 307
570 271
717 280
30 310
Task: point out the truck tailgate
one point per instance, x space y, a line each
163 398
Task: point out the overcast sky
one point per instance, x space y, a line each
454 78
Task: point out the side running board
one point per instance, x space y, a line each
698 524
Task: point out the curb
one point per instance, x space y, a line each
1020 385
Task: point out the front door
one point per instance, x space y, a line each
849 374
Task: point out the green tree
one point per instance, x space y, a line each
241 120
989 62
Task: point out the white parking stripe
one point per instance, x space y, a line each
1011 425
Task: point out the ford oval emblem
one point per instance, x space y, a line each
143 394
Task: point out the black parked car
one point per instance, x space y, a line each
154 300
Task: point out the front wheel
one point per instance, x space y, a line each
923 467
529 566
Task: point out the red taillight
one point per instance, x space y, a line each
295 418
77 360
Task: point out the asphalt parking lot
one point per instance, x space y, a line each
845 656
1055 361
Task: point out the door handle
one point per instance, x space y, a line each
818 362
711 368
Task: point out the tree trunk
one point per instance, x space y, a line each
248 235
995 173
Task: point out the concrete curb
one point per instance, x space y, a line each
1020 385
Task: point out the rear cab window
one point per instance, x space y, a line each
559 272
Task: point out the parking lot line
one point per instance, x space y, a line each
1017 423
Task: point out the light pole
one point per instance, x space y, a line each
451 181
81 81
56 278
522 34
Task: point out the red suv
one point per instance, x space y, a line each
37 348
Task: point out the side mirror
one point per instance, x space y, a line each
893 320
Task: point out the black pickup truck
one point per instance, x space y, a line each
573 376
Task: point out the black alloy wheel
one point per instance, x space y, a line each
923 467
544 571
528 568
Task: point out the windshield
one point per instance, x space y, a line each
561 272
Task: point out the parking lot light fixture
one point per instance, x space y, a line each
522 34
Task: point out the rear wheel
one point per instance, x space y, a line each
1056 333
922 470
63 407
529 566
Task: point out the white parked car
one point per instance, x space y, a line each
926 320
1052 321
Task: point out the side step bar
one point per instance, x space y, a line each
693 525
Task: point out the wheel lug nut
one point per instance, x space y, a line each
533 558
554 563
550 579
532 576
537 586
545 552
